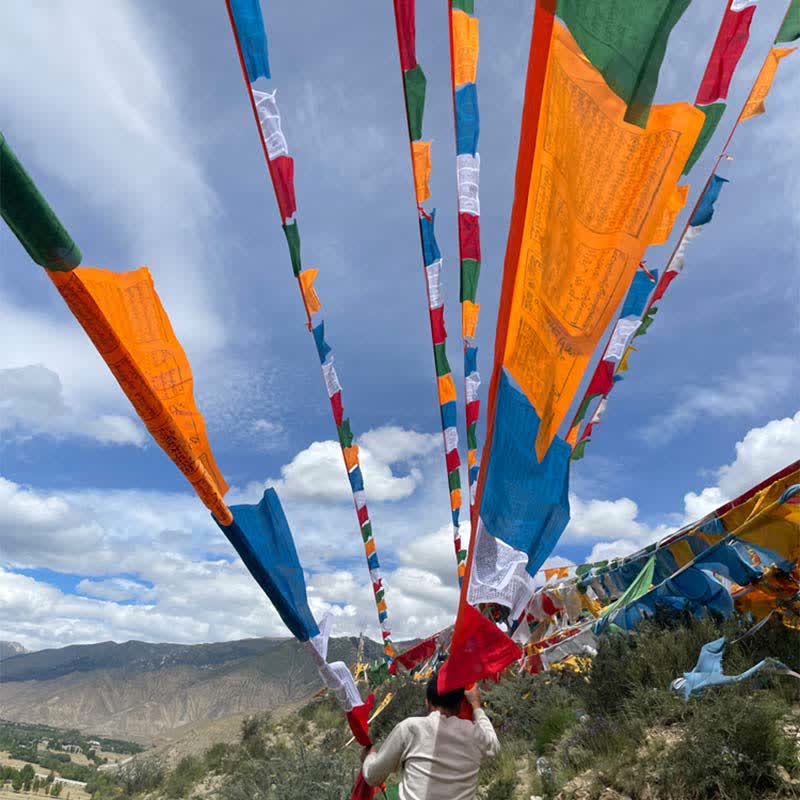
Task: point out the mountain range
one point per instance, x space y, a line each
139 690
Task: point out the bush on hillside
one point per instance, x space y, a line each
188 771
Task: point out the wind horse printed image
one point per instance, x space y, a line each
499 601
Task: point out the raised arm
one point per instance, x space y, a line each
485 734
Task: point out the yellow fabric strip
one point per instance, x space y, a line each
466 43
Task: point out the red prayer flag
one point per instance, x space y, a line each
469 236
418 653
362 790
453 460
336 405
473 411
405 19
437 325
728 48
663 284
602 380
548 606
283 180
479 650
362 514
358 719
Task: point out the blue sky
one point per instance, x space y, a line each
134 120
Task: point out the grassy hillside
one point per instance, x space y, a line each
608 732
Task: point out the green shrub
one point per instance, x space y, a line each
216 756
188 771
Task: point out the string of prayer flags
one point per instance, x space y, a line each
124 318
790 29
758 94
261 536
31 218
626 41
567 286
246 24
414 93
252 37
465 46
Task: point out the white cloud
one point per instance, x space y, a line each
762 452
750 390
117 589
608 550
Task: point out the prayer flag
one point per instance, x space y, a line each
405 15
469 318
465 47
282 170
705 208
421 154
790 30
414 85
758 94
252 37
468 120
307 277
713 114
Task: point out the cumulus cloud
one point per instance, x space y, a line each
117 589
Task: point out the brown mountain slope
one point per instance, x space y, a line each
139 692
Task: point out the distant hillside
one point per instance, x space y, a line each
139 691
8 649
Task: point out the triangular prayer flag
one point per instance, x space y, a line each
758 94
790 29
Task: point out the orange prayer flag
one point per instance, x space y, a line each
472 458
758 94
469 318
550 573
598 188
369 546
307 278
465 47
124 318
455 499
447 389
421 153
350 456
563 572
572 436
675 203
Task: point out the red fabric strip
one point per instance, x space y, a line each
362 790
418 653
602 380
405 18
663 284
453 460
336 405
473 411
283 177
363 514
358 718
437 325
728 48
469 236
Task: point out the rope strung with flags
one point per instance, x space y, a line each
250 38
414 85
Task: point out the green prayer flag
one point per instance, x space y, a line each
584 407
293 240
31 218
454 479
465 5
578 451
470 273
414 85
440 357
790 30
646 323
345 434
582 570
640 586
366 532
472 438
713 114
626 41
462 554
379 595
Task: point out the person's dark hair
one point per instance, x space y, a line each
449 701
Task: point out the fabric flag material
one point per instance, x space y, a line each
469 319
31 218
640 586
642 285
260 535
713 114
358 720
252 37
675 203
124 318
729 45
293 240
626 41
282 170
405 17
790 29
758 94
572 276
270 119
705 208
465 47
479 650
414 84
307 278
421 153
468 121
525 502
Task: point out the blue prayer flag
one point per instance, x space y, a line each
319 340
252 37
525 503
468 121
430 249
356 479
449 414
470 360
636 299
260 535
705 208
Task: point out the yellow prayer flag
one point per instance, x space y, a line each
466 43
447 389
758 94
572 436
350 456
598 188
307 278
469 318
682 551
675 204
421 153
124 318
623 362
